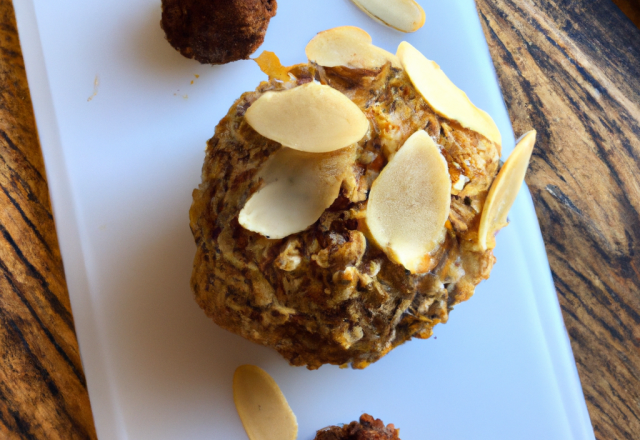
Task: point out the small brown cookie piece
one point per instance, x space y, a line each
368 429
216 31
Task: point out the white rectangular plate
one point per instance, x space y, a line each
121 168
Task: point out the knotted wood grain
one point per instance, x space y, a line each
43 392
571 70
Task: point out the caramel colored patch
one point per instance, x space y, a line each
270 64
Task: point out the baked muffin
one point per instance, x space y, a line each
367 429
332 293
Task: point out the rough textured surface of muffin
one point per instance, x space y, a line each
367 429
216 31
328 294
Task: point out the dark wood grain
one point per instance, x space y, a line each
43 393
631 8
571 70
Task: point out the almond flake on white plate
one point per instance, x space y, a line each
263 409
401 15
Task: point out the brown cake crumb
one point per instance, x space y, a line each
368 429
216 31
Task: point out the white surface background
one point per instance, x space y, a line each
121 169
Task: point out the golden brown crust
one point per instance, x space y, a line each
327 294
216 31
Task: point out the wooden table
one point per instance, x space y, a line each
569 68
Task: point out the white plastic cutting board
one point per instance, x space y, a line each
121 168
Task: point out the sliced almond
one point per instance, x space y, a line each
263 409
348 46
270 64
504 190
299 186
443 96
402 15
311 117
409 203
